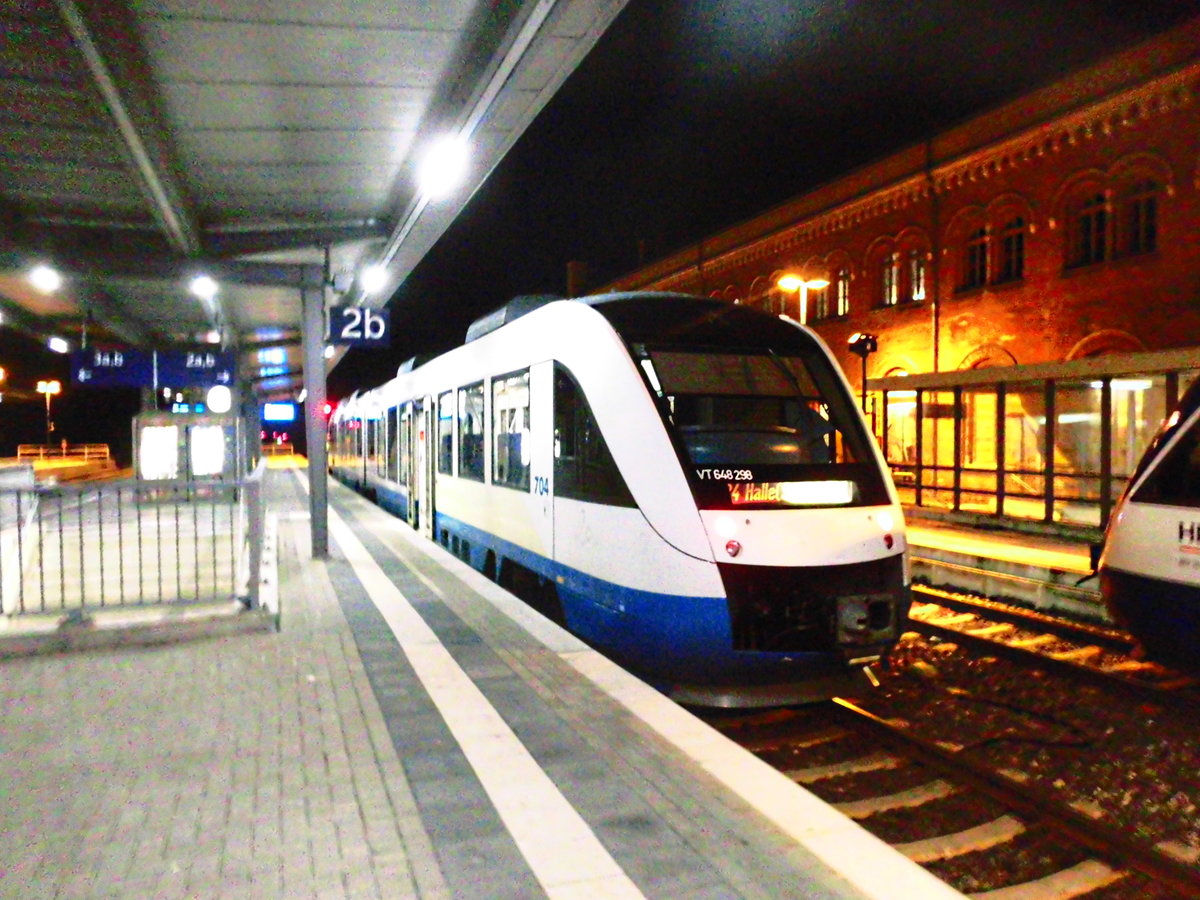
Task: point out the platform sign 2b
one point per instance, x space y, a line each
359 326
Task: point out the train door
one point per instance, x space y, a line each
541 453
410 460
424 459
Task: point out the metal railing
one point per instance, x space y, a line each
68 549
84 452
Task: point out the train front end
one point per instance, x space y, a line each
1150 567
802 521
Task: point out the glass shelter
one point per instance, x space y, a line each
1051 443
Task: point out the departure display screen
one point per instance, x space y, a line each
791 493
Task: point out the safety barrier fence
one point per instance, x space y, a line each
83 452
68 549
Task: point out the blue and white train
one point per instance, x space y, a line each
684 483
1150 567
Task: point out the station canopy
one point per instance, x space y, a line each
271 145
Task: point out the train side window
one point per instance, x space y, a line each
583 466
470 432
510 430
1176 480
445 433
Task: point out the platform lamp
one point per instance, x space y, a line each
801 287
863 345
49 388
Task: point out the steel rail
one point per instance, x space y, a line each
1072 629
1105 840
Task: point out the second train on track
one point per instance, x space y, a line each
1150 567
684 483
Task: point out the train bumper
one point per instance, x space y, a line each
1164 616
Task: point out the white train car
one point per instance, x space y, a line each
1150 566
684 483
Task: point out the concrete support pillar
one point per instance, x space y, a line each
313 299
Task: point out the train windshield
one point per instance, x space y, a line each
765 430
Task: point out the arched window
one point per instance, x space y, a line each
889 279
1137 219
1088 230
839 286
974 260
818 303
1010 262
916 276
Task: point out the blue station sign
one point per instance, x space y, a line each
141 368
195 368
112 368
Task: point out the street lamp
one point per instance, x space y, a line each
49 388
795 283
863 345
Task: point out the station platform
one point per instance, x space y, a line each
1048 573
410 731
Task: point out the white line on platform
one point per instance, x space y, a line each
564 853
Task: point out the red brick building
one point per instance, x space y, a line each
1064 224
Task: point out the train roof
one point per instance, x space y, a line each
644 316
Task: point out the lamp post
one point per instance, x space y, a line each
863 345
49 388
801 287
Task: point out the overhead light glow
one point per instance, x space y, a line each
443 167
329 351
58 345
203 287
373 279
45 279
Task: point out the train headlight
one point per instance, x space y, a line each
725 526
885 520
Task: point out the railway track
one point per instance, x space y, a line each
986 832
1086 652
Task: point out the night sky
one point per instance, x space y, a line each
689 117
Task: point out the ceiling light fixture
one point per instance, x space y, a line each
203 287
443 167
373 279
45 279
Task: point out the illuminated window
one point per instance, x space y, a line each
583 467
206 450
510 430
1088 233
470 432
841 292
1138 221
916 276
889 279
975 261
1011 264
158 452
818 301
445 433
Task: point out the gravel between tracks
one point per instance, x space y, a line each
1134 765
